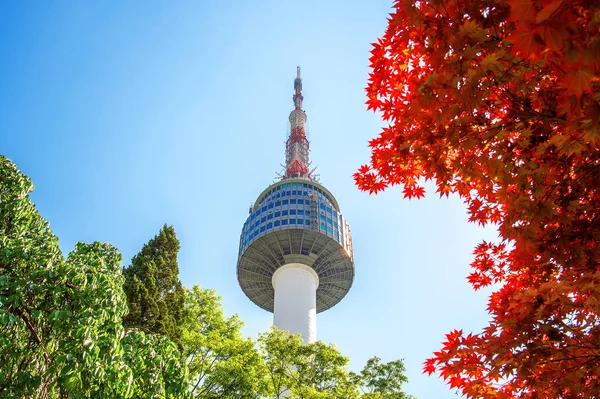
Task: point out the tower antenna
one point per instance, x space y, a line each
297 146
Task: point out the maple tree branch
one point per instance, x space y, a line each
566 359
558 66
515 64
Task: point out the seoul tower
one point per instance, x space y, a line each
295 257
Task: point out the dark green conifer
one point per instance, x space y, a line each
154 292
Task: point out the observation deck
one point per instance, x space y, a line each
296 220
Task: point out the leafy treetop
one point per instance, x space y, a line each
61 332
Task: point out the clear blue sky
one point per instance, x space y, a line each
131 115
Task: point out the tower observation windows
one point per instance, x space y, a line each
303 206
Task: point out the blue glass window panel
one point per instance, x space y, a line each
323 226
307 222
263 219
277 203
306 193
335 225
300 212
255 232
336 234
329 230
284 222
277 214
277 223
335 215
323 218
293 192
262 229
269 225
293 201
322 206
284 212
264 208
271 205
329 221
292 211
301 201
288 192
304 185
307 213
329 209
284 202
278 195
300 221
292 221
283 194
270 216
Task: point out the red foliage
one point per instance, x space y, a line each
499 102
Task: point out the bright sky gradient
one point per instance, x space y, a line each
129 115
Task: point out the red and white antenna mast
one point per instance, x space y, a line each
297 146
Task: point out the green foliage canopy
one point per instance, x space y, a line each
319 371
61 332
222 363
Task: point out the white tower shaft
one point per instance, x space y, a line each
295 308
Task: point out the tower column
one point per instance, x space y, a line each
295 307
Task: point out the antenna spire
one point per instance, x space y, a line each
297 146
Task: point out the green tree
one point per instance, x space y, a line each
222 363
379 380
319 371
154 292
61 333
279 351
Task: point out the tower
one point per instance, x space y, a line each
295 257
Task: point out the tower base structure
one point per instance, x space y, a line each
295 307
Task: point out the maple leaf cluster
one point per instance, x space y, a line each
499 102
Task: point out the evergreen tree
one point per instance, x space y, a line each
154 291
